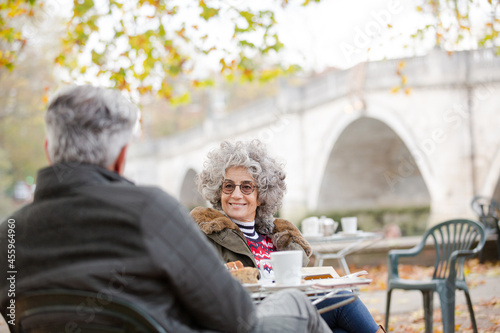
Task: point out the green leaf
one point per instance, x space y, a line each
207 12
138 42
118 4
81 7
249 17
244 43
98 58
161 32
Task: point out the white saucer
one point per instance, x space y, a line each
352 233
252 286
302 286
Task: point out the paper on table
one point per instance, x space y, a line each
348 282
324 272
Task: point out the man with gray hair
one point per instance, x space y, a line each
89 228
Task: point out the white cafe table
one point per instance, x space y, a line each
323 249
318 284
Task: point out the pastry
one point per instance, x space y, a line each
243 274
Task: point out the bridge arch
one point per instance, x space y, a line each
188 194
390 175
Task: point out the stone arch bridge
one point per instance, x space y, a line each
349 143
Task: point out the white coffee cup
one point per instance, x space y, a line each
349 225
287 267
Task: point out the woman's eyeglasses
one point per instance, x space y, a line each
246 187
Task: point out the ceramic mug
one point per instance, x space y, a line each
349 225
287 267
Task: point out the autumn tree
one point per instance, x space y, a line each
457 24
23 94
142 46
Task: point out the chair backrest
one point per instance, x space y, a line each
452 238
79 311
487 211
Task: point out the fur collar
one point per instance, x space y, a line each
284 232
211 221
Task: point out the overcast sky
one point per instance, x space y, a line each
343 33
338 33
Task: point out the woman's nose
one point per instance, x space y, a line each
237 192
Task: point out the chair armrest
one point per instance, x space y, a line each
394 255
407 252
455 255
462 253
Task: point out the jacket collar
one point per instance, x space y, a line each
66 176
213 221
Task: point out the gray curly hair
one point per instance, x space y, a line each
89 125
269 175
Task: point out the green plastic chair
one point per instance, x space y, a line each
62 310
454 241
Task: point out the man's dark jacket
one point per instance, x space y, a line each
90 229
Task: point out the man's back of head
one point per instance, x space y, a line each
88 124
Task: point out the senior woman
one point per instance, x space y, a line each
246 186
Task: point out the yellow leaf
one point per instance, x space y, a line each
180 100
395 90
16 12
145 89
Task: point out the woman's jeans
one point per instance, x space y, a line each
351 318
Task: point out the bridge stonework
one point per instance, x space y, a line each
348 142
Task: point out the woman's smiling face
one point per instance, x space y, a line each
237 205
